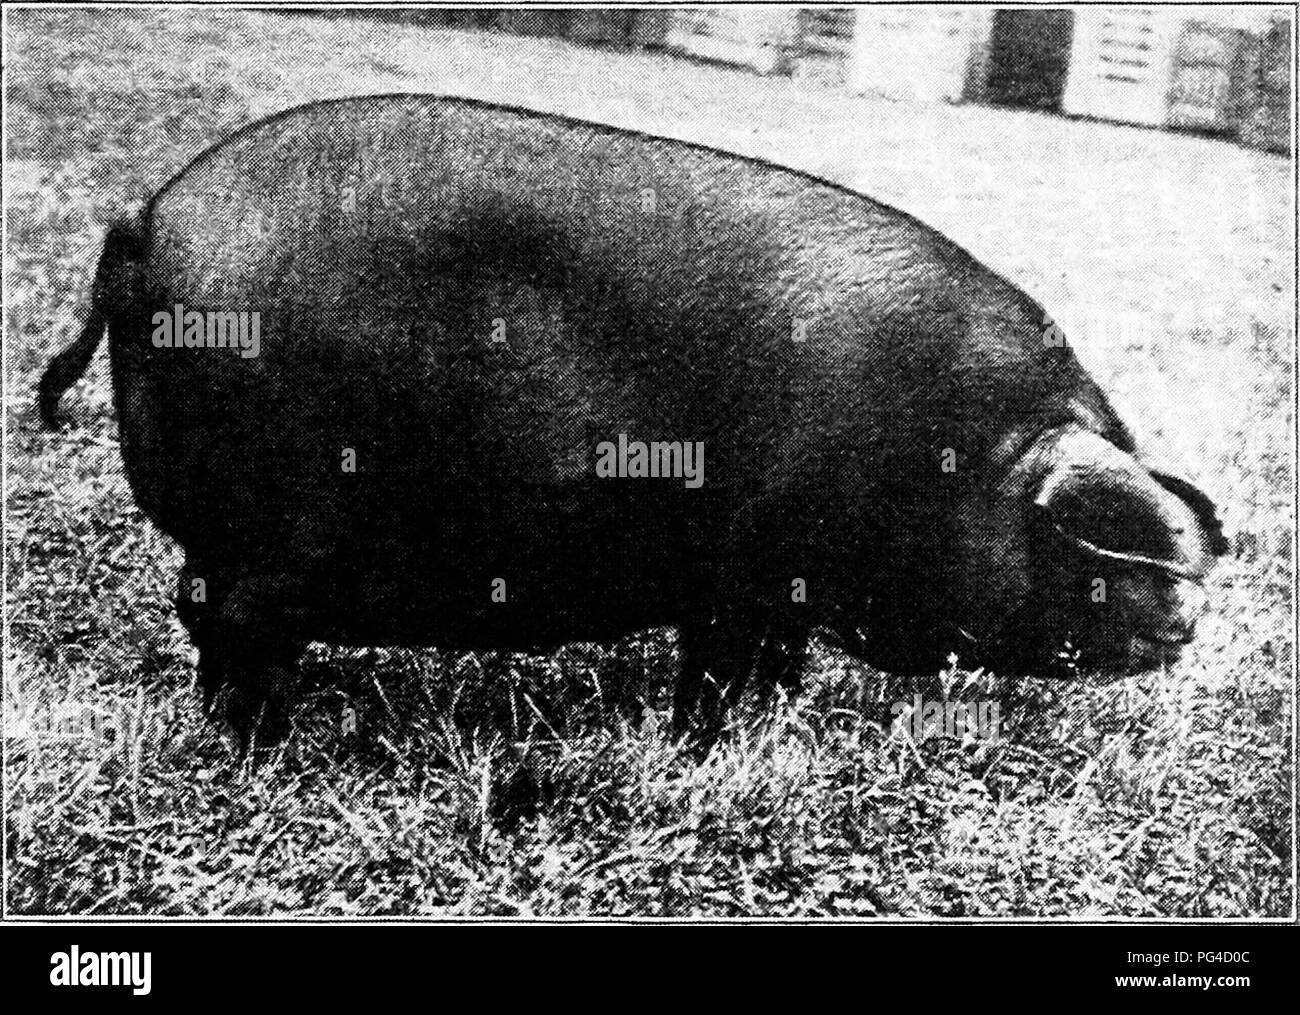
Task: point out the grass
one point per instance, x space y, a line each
424 784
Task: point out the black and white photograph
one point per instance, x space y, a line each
648 464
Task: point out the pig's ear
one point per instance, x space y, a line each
1201 506
1108 506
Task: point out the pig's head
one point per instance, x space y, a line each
1080 558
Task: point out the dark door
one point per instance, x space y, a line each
1029 58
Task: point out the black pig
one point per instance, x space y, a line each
462 307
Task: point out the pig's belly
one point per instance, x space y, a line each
546 576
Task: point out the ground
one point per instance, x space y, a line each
548 786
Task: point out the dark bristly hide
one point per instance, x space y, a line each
883 418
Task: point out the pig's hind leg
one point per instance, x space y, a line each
249 631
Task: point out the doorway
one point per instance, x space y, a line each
1029 58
